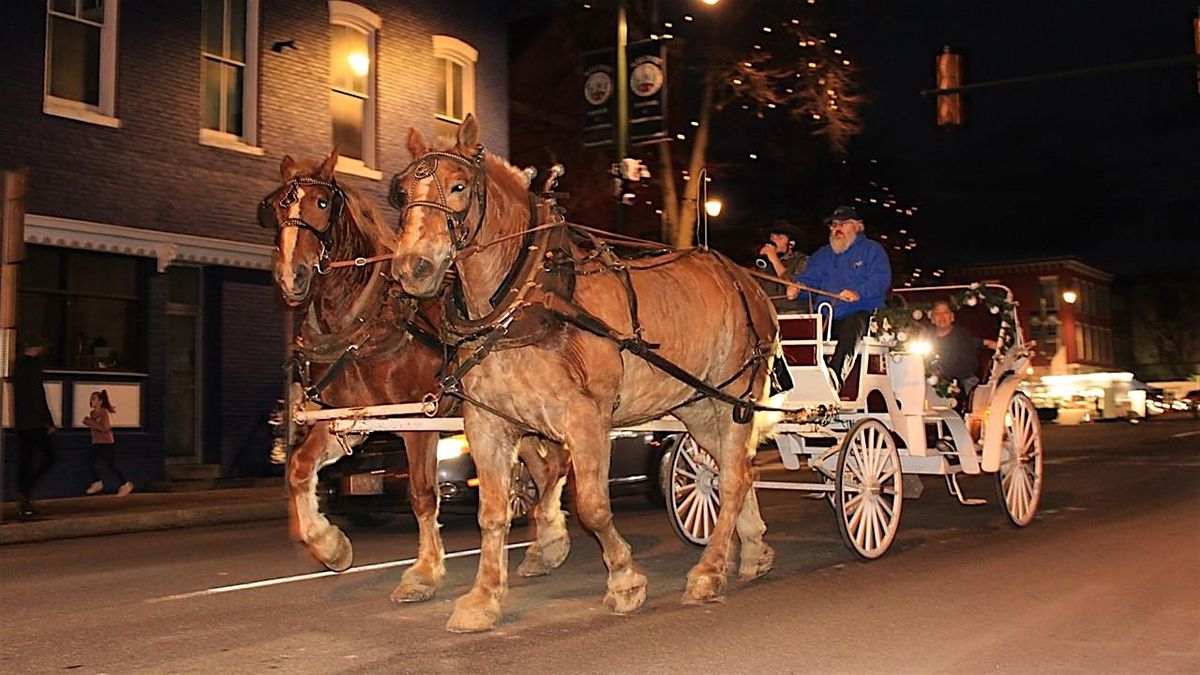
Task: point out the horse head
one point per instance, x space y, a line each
442 197
304 212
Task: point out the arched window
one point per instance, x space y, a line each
352 35
455 80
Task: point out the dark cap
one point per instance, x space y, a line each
843 213
785 228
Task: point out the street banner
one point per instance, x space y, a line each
599 97
648 92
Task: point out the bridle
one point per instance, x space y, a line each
425 166
268 220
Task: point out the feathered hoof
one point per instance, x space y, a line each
753 567
704 587
332 549
540 560
414 587
473 615
626 592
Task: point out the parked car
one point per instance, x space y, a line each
370 486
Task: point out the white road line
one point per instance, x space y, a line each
1185 434
318 575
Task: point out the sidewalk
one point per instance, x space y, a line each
140 512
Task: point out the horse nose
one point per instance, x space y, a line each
411 267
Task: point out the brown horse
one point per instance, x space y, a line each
361 338
572 384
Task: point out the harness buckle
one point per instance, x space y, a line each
360 261
430 403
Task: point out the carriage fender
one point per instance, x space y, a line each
993 426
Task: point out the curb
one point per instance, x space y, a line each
117 523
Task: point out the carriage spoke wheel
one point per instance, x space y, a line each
694 497
1019 480
868 489
523 493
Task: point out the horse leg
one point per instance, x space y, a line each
547 463
493 448
324 540
757 557
731 445
423 579
590 451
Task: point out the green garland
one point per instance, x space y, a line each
895 324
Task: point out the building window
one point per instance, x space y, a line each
81 60
229 65
352 83
455 81
86 306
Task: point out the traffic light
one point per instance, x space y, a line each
949 76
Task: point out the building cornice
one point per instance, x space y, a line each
1047 266
165 247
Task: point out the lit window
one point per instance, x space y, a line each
455 81
228 57
81 56
352 85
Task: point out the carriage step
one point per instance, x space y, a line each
952 484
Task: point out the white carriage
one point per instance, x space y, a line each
886 425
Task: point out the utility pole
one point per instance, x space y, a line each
622 131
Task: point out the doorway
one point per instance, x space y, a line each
184 314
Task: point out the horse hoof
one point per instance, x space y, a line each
702 588
628 595
540 560
332 548
414 588
471 616
753 567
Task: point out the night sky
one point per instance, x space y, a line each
1105 167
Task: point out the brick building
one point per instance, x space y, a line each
151 130
1065 304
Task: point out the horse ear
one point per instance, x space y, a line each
468 133
326 169
287 168
416 143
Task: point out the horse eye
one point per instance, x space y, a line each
322 203
458 187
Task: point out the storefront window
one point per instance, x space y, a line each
85 306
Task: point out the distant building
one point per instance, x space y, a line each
151 130
1064 304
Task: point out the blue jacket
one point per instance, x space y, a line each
863 268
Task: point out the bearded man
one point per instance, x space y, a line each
857 271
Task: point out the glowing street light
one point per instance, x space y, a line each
713 206
1070 297
711 2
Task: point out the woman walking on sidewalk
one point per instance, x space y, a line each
103 444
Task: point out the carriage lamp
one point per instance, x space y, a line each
1070 296
710 2
922 347
451 447
713 207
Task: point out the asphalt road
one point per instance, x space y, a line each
1106 579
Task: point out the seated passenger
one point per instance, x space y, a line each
955 350
779 257
855 269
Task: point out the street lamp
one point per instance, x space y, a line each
1070 296
713 207
711 2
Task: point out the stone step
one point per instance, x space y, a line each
199 485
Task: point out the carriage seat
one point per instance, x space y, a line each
803 338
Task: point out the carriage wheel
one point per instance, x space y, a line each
1019 480
868 489
694 496
523 493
